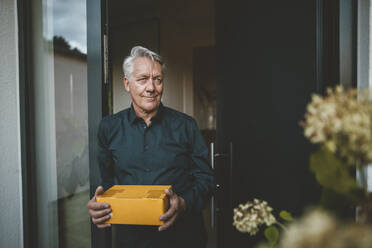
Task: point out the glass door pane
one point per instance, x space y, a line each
60 113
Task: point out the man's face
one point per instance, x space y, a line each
145 85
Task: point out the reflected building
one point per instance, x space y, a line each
70 78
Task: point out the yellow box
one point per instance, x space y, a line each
136 204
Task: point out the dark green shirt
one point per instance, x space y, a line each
170 151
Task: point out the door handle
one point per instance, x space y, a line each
221 155
214 156
228 155
212 199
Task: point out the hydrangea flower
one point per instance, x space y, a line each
249 216
342 121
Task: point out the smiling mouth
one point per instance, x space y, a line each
150 97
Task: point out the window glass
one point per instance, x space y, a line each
60 113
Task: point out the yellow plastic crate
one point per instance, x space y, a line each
136 204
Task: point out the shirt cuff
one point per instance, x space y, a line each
188 196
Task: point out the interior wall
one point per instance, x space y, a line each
184 25
204 77
123 38
11 229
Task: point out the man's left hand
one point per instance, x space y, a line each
177 206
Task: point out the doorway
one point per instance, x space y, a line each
268 61
183 32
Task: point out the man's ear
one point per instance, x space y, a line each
126 84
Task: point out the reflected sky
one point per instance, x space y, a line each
70 22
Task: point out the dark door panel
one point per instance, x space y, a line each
266 72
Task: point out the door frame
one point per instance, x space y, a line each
96 10
328 71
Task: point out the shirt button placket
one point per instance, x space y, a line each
145 146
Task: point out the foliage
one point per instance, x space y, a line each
286 215
331 172
272 235
341 121
341 124
250 216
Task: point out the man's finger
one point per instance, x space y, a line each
169 192
97 205
99 191
171 211
167 224
103 225
100 213
101 220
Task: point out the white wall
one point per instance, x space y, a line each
11 228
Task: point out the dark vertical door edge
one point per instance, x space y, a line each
319 46
107 94
95 31
337 25
26 123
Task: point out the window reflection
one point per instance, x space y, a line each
70 78
61 123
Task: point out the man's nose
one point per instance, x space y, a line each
150 85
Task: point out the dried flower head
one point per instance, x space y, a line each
318 229
249 216
342 121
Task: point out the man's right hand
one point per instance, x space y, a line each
99 211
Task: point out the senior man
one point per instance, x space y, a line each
150 144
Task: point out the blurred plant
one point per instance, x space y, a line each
321 230
341 124
250 216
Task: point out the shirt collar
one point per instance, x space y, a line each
132 117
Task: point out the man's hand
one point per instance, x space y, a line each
99 211
177 206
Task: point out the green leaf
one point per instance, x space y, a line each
286 216
272 235
331 172
263 245
341 204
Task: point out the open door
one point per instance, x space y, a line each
271 56
266 72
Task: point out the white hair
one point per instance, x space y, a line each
140 52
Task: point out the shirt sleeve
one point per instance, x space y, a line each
203 186
104 156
